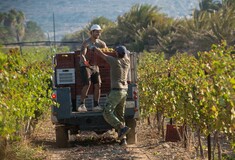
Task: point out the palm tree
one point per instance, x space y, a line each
140 27
202 30
209 5
133 22
33 32
20 28
228 2
223 24
14 21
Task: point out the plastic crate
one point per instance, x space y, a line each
172 135
65 76
105 89
105 81
64 60
103 99
77 60
95 59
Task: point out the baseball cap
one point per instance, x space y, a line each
121 50
95 27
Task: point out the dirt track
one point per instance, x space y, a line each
90 146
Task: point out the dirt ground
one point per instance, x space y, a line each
90 146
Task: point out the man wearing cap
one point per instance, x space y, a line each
114 109
90 73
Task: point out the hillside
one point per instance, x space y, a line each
71 15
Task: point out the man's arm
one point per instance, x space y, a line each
100 53
104 44
83 54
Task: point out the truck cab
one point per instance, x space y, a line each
67 88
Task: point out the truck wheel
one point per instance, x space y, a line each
132 135
62 138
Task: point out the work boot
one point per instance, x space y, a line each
124 131
123 142
82 108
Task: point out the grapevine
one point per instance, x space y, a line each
197 91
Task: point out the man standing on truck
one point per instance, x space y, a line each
114 109
90 73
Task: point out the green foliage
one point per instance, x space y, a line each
33 32
197 91
149 88
13 28
145 28
3 59
209 5
81 35
102 21
210 25
25 88
142 26
13 22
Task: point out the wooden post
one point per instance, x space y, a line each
209 146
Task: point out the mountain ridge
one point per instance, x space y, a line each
71 16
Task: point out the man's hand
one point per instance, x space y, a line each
86 63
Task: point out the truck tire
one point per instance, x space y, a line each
62 138
132 135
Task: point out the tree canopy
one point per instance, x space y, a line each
14 28
143 27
